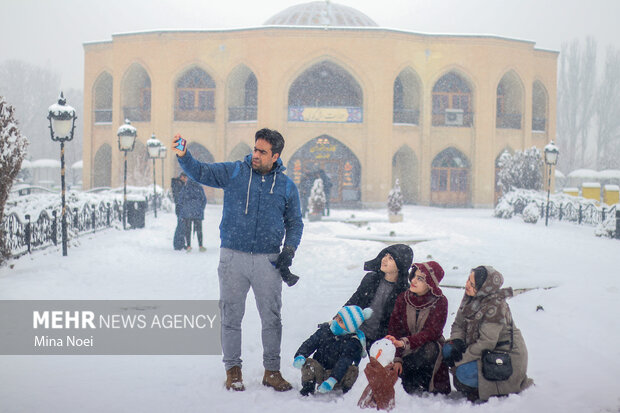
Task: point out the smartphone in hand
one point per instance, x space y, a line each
180 144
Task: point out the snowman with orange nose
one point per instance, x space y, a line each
382 375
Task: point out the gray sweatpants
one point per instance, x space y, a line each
237 272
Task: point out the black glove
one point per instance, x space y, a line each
288 277
285 259
458 347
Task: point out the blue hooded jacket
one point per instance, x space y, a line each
259 210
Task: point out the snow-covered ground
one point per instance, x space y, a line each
574 352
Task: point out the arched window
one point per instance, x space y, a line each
102 167
450 178
452 101
325 93
102 96
539 107
407 98
509 102
136 94
239 152
195 97
242 95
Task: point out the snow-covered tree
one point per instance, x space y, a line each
531 213
12 152
521 170
395 199
317 199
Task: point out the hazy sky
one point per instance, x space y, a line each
51 33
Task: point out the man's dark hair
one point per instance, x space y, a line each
273 137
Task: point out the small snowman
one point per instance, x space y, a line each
383 351
381 376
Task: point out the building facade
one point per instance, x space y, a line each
366 104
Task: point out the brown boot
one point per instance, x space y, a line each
275 380
234 380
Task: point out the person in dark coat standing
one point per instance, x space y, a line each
178 242
388 277
416 329
327 188
192 205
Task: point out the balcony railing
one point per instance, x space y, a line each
103 115
194 115
409 116
137 114
241 113
508 121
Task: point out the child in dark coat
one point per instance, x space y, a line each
336 348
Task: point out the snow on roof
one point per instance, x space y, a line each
612 188
26 164
590 185
609 174
559 174
45 163
570 190
321 13
78 165
583 173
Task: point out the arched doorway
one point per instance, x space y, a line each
339 163
450 179
102 98
405 169
407 92
136 94
195 96
102 170
509 102
239 152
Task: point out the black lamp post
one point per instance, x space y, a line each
163 151
551 159
152 147
62 126
126 141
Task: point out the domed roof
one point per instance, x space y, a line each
321 13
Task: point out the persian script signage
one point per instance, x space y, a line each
325 114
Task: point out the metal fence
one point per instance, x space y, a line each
577 212
40 232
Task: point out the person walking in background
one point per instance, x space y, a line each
178 242
192 201
327 188
261 209
484 323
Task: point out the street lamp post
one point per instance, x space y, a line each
163 151
62 126
126 141
551 159
152 147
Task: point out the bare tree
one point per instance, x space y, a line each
576 92
32 89
608 113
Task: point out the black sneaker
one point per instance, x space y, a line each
307 388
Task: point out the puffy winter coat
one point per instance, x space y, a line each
259 210
192 201
335 353
489 311
365 292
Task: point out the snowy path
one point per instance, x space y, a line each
573 344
